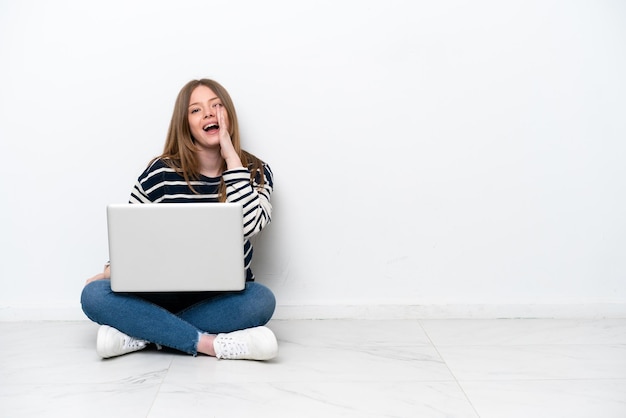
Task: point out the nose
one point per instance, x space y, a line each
208 113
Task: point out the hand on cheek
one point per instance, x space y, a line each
226 145
221 120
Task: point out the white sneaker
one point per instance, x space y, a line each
249 344
112 342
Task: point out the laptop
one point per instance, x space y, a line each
176 247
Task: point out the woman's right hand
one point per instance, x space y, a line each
106 274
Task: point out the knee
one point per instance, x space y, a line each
265 302
92 297
270 305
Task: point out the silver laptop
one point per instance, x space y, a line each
176 247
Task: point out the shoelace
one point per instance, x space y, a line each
133 343
230 348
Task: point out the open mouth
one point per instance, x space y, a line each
211 127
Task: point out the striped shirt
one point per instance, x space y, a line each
160 183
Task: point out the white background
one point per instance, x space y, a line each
454 153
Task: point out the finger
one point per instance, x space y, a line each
220 115
221 118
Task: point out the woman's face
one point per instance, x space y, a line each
202 115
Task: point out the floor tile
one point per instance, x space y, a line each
64 352
536 362
351 333
303 364
548 398
315 399
73 400
322 351
528 331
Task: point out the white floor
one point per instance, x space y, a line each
338 368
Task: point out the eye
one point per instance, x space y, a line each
218 105
194 110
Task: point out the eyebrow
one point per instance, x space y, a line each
197 103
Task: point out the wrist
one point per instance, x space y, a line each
233 162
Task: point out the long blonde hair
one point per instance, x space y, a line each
180 150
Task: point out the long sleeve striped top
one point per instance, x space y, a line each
160 183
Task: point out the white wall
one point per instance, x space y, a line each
440 158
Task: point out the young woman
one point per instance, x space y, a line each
202 162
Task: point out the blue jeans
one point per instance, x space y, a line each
176 320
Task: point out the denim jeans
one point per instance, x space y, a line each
176 320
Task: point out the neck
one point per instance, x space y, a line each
210 162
